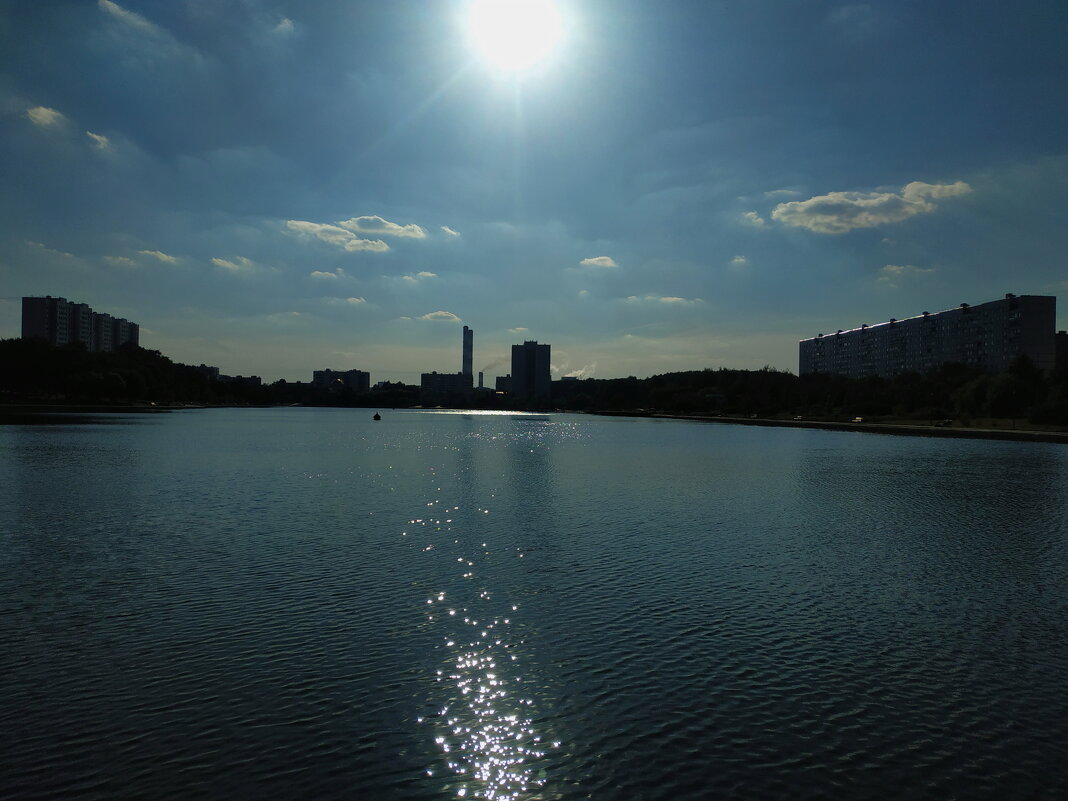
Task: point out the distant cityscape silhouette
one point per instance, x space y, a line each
997 360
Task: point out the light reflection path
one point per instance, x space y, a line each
484 726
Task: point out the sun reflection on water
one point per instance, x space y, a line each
484 727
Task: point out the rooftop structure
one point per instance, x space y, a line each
989 336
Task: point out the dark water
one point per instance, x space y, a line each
290 604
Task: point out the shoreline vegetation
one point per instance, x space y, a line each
1022 404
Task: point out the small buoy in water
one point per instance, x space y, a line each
377 416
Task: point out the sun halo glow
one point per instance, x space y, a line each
514 35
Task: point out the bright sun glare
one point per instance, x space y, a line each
513 35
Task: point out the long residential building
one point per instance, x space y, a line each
989 336
59 321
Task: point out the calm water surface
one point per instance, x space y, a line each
300 603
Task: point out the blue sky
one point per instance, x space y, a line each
275 187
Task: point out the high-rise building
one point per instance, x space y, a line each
81 324
530 371
469 337
443 388
103 332
989 336
61 322
355 380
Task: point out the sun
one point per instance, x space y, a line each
514 35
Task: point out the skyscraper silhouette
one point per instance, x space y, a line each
469 337
530 371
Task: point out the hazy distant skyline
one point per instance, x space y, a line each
275 187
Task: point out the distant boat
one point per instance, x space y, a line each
377 416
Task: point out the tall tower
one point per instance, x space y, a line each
469 337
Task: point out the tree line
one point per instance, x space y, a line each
32 371
953 391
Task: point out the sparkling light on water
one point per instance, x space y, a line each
485 729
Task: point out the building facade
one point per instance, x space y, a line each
437 389
62 322
989 336
355 380
530 377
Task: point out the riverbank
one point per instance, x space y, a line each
906 429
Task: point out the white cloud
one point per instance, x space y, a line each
376 225
346 301
753 219
840 212
449 231
776 194
330 276
419 276
327 233
670 299
357 245
893 274
238 264
443 316
120 261
129 17
160 255
336 235
100 142
518 330
44 116
285 26
738 263
918 190
599 261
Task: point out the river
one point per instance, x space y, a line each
304 603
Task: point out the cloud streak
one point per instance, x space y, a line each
237 264
599 261
99 141
422 275
336 235
841 212
892 274
668 299
441 316
159 256
128 17
375 225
